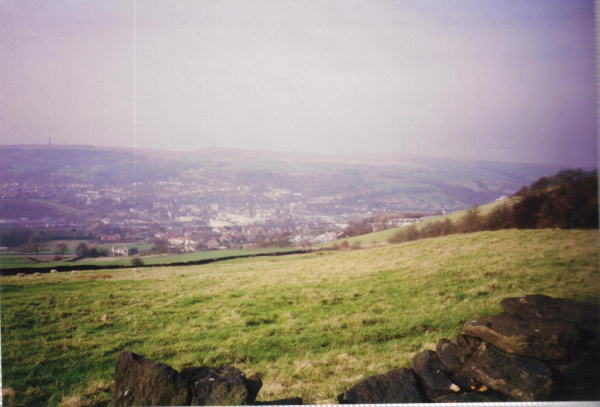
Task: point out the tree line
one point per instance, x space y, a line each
363 226
568 200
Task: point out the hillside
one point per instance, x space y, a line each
381 238
312 324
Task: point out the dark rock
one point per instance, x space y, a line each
456 353
143 382
433 374
546 340
467 383
217 386
519 377
545 308
396 386
472 397
578 378
253 385
296 401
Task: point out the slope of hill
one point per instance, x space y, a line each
381 237
312 324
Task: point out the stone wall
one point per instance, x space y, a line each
539 349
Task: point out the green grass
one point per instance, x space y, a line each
381 238
23 262
72 245
15 261
312 324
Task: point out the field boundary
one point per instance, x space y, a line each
87 267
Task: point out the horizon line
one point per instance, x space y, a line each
304 152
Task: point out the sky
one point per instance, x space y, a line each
499 80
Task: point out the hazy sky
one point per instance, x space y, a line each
484 79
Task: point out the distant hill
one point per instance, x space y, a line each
567 200
456 183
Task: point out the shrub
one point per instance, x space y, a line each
82 250
525 212
137 262
436 229
447 227
567 200
405 234
471 222
499 218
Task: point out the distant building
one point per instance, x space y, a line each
182 241
401 221
120 251
377 226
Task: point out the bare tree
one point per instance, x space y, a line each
61 249
37 242
82 250
160 246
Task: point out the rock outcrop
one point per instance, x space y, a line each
222 386
545 340
395 386
520 378
143 382
456 353
434 375
539 349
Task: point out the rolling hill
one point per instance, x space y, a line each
435 180
313 325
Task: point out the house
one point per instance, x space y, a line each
182 241
120 251
377 226
176 241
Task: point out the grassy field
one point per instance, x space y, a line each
16 262
24 262
72 245
313 325
381 238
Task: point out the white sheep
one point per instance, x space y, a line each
53 271
21 275
37 274
74 272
